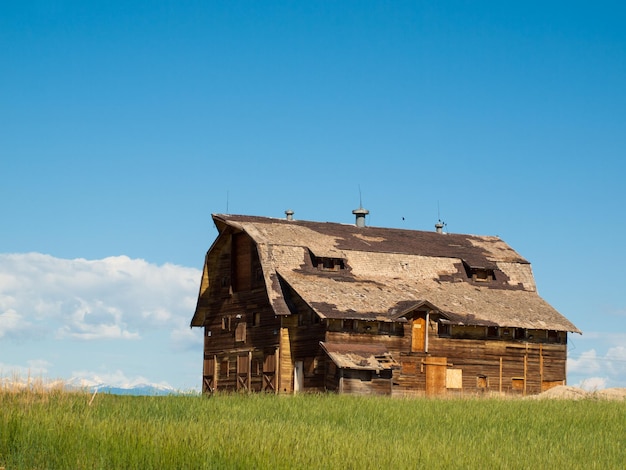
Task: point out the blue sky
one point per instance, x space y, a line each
124 125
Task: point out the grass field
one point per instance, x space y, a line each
60 430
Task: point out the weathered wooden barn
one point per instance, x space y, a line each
289 306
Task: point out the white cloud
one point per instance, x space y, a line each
592 384
595 371
111 298
586 363
33 368
12 323
616 361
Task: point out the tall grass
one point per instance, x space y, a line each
61 430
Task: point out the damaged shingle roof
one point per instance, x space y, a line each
387 271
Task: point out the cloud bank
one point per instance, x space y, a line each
112 298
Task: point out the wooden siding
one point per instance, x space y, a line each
239 323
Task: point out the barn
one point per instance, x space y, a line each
289 306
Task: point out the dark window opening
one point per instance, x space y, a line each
492 331
520 333
482 382
553 336
225 323
256 319
479 274
327 264
348 324
444 329
224 368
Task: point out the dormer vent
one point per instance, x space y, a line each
360 214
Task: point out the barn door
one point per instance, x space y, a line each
418 334
435 375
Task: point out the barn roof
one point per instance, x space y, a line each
385 273
360 356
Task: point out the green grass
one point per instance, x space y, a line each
61 430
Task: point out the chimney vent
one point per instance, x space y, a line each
439 226
289 213
360 214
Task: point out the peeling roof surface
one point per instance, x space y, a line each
359 356
387 270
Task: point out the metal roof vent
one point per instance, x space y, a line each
360 216
439 226
289 213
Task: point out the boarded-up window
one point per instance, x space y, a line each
517 383
240 332
454 378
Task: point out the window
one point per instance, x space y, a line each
553 336
256 318
443 329
478 273
482 382
483 275
492 332
225 323
324 263
520 333
224 368
384 328
347 324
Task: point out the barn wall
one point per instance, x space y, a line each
486 366
239 320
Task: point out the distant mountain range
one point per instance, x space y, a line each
131 389
91 386
144 389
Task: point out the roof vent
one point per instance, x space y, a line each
360 216
439 226
289 213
